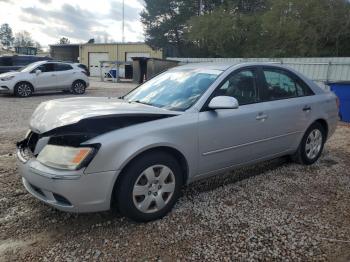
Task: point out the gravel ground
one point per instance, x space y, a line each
276 210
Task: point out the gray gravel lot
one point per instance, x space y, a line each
276 210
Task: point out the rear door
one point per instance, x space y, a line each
229 137
64 74
288 108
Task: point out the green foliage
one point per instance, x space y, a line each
165 22
249 28
307 28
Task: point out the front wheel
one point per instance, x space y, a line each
23 89
311 146
149 187
78 87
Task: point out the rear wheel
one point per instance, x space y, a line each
78 87
23 89
149 187
311 146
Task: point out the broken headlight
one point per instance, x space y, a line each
65 157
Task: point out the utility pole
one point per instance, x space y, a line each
123 36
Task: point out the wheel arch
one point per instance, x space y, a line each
181 159
324 124
79 80
24 81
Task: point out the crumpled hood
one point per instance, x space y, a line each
60 112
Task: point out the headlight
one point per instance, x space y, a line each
7 78
65 157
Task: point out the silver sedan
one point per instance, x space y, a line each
136 152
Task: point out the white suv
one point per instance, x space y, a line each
44 76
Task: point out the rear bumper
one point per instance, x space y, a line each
71 191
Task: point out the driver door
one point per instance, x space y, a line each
47 79
229 137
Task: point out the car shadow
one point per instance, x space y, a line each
235 176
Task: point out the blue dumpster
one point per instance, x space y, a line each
342 90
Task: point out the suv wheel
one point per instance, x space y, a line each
311 146
78 87
149 187
23 89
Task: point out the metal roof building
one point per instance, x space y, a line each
92 54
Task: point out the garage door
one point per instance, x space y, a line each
130 55
94 62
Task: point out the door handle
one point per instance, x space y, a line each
307 108
261 116
53 75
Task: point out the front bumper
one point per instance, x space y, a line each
72 191
6 87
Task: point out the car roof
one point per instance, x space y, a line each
223 66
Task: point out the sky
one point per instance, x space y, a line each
79 20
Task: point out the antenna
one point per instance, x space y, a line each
123 36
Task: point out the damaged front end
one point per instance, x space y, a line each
64 152
67 147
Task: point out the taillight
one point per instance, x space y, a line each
85 73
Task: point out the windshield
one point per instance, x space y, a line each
30 67
174 90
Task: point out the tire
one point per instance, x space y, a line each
311 146
149 187
78 87
23 89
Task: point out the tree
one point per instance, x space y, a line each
38 47
6 35
23 39
308 28
273 28
249 28
165 22
232 29
64 40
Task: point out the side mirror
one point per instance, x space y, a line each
38 72
223 102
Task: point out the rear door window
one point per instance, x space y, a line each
49 67
282 85
62 67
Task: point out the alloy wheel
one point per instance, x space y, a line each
154 188
79 88
313 144
24 90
